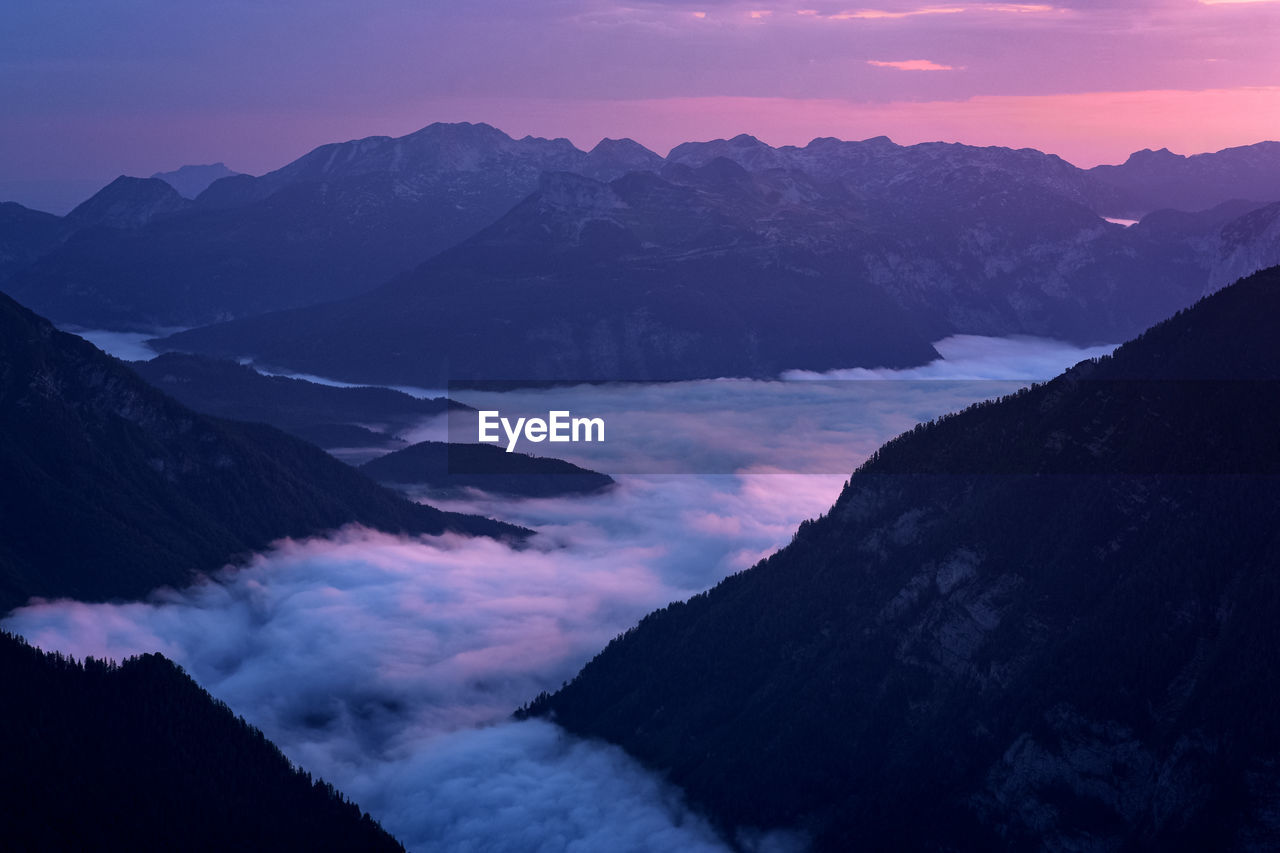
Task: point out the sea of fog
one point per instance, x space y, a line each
391 665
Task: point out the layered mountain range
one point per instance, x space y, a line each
333 223
1046 622
458 251
332 417
113 489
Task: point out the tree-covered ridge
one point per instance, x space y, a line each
136 756
455 467
1046 622
109 488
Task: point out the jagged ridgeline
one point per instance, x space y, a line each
1047 622
457 252
109 488
138 757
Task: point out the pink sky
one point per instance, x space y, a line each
147 85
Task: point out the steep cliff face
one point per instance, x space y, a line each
1247 244
1044 623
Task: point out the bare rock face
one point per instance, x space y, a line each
1248 244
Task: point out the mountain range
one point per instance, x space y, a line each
1045 622
332 417
355 423
714 270
715 260
113 489
333 223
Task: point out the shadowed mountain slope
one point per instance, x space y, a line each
110 488
1046 622
138 757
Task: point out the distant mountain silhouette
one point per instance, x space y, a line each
1046 622
323 414
640 278
897 244
1151 180
710 269
24 236
452 468
138 757
128 203
335 222
112 489
190 181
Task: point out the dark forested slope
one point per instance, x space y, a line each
445 467
138 757
1047 622
314 411
108 488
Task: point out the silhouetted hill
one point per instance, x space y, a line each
1047 622
127 203
1150 180
323 414
441 467
25 235
110 488
138 757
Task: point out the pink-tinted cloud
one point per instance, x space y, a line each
911 65
369 657
886 14
91 93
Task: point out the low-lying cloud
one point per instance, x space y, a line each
390 665
371 659
528 786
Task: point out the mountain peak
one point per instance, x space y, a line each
457 128
623 146
612 158
1158 157
128 202
743 149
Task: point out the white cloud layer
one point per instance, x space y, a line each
390 665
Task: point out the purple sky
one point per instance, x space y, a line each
95 88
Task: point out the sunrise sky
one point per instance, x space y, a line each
93 88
